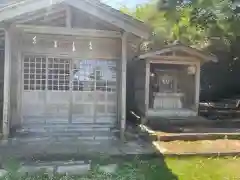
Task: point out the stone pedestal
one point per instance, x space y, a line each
168 101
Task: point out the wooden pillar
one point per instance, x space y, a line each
147 83
7 81
70 111
197 79
19 85
68 17
123 84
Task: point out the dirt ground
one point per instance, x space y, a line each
201 146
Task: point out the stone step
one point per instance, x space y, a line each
69 125
67 140
56 163
41 129
57 133
75 129
59 167
63 121
71 168
60 120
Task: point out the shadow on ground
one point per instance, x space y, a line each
135 168
159 170
142 168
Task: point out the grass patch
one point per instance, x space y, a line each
192 168
205 168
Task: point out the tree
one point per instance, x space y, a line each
197 22
212 25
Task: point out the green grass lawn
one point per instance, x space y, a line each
159 169
205 168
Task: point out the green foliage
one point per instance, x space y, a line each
196 22
11 166
181 168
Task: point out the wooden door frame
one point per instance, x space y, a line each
194 62
21 89
72 60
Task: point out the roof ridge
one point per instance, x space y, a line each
114 9
14 3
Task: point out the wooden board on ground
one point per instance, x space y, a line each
199 147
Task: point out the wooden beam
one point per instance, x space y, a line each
69 31
173 60
56 22
32 17
52 18
70 110
25 7
147 84
198 87
191 51
110 18
123 84
68 17
19 84
7 82
2 33
119 99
